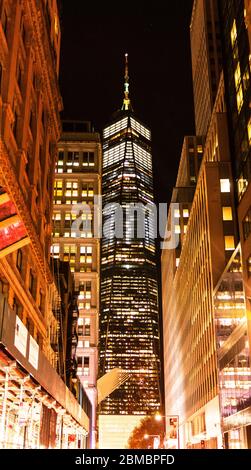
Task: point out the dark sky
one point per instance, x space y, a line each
95 37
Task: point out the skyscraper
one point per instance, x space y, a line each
206 280
129 320
77 181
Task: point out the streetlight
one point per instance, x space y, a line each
173 422
155 442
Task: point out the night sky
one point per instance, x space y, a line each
95 37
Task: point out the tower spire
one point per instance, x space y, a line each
126 103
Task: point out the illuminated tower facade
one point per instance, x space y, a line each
129 322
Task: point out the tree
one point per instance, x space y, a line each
147 427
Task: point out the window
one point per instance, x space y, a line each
19 77
18 308
87 344
19 260
88 159
30 326
185 213
229 243
1 75
72 158
22 31
15 124
225 185
86 361
41 301
177 229
58 188
31 282
86 365
249 131
237 76
5 23
233 33
247 224
249 266
239 99
227 213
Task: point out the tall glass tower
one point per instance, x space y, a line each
129 322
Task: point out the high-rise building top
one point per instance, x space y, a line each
129 319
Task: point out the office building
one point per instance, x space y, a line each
77 182
206 311
129 316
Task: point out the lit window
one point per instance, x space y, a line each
80 344
239 99
249 266
87 344
87 321
225 185
237 76
177 262
249 131
185 213
185 228
200 149
177 229
89 249
229 243
80 321
177 214
56 25
227 213
233 33
57 216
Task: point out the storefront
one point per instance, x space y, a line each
37 410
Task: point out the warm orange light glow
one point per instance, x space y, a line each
158 417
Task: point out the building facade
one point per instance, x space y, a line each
206 311
206 60
31 390
129 317
77 182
